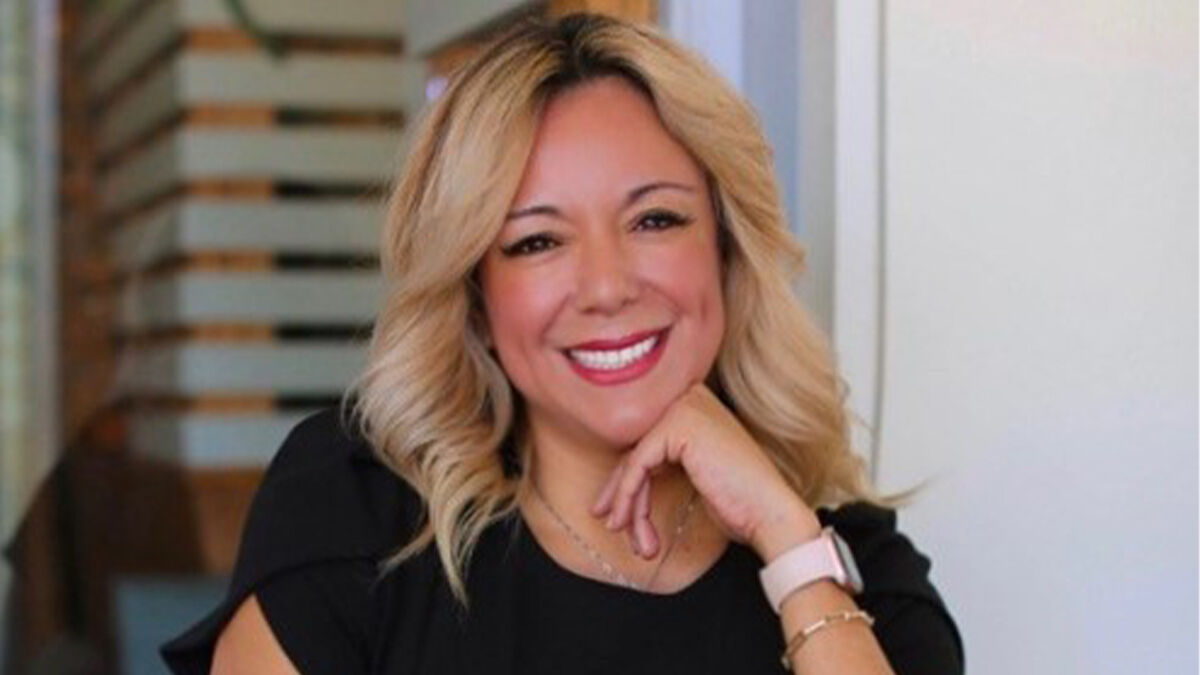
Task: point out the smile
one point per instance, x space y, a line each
613 362
614 358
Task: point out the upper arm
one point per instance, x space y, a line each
917 636
300 596
247 645
912 623
314 619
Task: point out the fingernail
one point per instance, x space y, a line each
649 548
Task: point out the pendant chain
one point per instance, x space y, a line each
609 570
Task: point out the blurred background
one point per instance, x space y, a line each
999 201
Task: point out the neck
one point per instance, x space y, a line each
570 475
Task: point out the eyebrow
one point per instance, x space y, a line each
631 198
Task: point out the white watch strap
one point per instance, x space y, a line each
809 562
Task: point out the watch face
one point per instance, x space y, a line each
853 578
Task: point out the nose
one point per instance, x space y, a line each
606 279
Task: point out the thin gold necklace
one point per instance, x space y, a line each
609 570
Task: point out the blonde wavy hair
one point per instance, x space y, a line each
436 405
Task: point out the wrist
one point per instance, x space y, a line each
785 529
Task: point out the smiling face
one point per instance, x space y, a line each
603 289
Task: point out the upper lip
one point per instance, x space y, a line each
618 343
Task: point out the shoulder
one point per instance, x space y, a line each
322 439
324 496
326 512
913 622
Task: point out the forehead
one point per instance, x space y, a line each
602 138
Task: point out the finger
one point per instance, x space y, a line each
643 525
645 456
604 501
648 542
614 498
632 537
623 503
643 499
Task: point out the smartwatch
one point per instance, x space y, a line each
826 557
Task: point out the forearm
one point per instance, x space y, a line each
846 647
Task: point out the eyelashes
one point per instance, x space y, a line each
664 220
652 221
534 243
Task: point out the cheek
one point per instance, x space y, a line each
711 308
692 275
519 305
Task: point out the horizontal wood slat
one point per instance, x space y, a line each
217 403
188 370
323 226
209 332
245 333
309 82
234 262
442 23
211 440
160 25
237 39
312 155
308 297
359 18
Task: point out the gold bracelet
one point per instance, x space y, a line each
826 621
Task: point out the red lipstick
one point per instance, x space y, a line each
620 375
619 343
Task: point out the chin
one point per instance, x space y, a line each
626 428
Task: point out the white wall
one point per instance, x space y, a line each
1040 325
857 227
780 55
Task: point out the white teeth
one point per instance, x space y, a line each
614 359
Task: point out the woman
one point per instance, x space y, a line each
595 419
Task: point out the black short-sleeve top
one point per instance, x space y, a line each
328 512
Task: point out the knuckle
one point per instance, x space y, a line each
628 487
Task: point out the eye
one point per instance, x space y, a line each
662 220
534 243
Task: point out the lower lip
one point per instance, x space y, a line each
621 375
